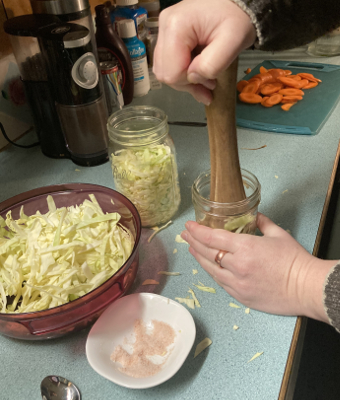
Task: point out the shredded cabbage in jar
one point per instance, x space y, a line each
148 177
243 224
47 260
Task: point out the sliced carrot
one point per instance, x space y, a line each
271 88
287 106
289 82
290 99
252 87
264 99
311 85
276 72
250 98
248 71
274 86
264 78
272 100
263 70
291 92
241 84
309 76
303 83
296 77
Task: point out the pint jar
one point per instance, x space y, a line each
239 217
143 160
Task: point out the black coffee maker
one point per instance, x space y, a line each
58 65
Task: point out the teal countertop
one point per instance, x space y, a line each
294 172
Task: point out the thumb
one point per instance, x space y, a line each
214 58
267 226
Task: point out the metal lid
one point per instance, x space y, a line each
126 2
58 7
72 35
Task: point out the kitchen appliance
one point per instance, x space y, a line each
82 312
23 33
306 117
80 101
63 53
84 123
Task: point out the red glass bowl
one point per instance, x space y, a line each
80 313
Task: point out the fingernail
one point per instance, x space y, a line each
194 78
209 84
203 100
184 235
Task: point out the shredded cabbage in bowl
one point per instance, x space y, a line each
47 260
148 177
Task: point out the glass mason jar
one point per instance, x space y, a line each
143 160
239 217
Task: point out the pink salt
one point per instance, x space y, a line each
137 364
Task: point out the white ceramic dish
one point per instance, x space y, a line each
117 323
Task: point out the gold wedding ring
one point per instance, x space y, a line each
219 256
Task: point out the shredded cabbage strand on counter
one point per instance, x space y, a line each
148 177
47 260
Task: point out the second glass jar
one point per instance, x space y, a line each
238 217
143 160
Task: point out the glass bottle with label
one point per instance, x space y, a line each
143 160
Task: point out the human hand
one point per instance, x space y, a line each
219 26
271 273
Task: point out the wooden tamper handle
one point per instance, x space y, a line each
226 184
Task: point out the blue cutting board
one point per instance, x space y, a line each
304 118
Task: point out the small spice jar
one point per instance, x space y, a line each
143 160
239 217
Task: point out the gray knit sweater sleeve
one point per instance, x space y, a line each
284 24
331 296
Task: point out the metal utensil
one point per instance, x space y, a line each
187 123
58 388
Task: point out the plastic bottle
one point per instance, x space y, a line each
151 38
150 44
137 50
112 48
129 9
152 7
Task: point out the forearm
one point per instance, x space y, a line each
284 24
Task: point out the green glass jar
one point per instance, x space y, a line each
239 217
143 160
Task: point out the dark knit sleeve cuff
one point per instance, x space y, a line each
331 296
285 24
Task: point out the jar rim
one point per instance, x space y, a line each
249 202
132 113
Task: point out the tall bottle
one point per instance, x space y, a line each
111 48
137 50
129 9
